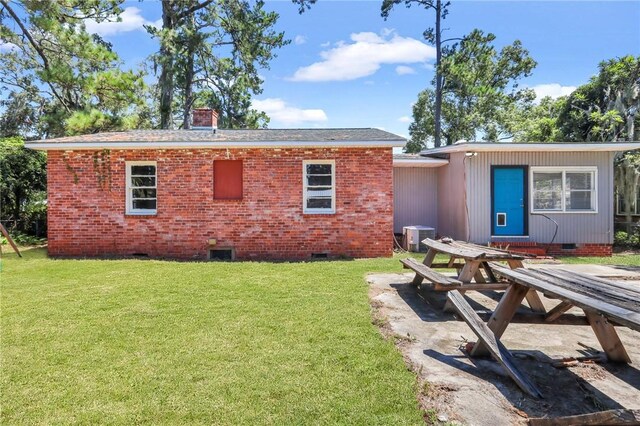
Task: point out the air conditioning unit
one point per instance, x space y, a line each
413 236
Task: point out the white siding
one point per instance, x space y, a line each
573 227
452 215
414 197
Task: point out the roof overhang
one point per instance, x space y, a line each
419 162
533 147
73 146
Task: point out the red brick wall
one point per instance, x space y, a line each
86 196
587 249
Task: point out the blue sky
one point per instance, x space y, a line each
347 67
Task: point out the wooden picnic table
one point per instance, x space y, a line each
605 303
476 259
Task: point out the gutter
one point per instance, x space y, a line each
68 146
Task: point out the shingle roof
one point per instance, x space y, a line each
223 135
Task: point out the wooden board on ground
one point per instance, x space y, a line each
496 348
8 237
610 417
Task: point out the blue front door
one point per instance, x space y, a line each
508 201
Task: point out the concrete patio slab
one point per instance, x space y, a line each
478 391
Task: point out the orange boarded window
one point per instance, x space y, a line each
227 179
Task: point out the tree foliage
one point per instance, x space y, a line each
480 92
23 184
59 68
607 108
211 51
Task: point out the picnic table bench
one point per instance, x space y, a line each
605 303
476 259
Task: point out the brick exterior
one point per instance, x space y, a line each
204 117
86 215
586 249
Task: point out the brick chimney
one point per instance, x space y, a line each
204 119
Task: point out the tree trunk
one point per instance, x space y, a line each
165 82
438 101
188 86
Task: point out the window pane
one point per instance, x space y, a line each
319 169
578 200
547 181
547 191
319 203
579 180
143 181
320 192
144 193
319 180
143 170
144 204
547 201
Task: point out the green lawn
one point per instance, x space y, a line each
141 341
616 259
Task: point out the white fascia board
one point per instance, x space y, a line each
72 146
534 147
424 162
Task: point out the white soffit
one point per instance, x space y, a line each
419 162
534 147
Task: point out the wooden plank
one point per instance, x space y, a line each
507 307
428 260
469 271
487 269
10 240
452 250
607 337
497 349
534 302
619 314
597 291
556 312
443 265
472 286
594 283
522 317
619 416
427 273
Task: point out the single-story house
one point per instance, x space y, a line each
223 194
555 196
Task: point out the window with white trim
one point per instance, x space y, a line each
141 187
564 190
319 190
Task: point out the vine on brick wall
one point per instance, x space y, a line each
102 168
70 169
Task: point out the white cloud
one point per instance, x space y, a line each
325 44
405 119
299 39
278 110
404 70
6 46
554 90
131 20
366 53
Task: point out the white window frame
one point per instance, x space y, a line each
564 171
129 197
306 210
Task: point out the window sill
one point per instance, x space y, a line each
137 214
564 212
318 212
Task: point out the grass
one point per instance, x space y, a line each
143 341
616 259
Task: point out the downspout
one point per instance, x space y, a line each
464 194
